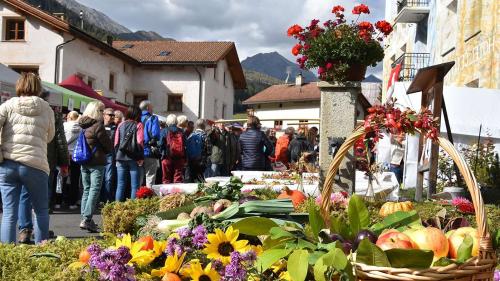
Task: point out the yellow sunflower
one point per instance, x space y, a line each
285 276
257 249
220 245
172 265
196 272
139 256
159 247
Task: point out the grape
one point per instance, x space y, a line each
363 234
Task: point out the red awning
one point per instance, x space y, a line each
74 83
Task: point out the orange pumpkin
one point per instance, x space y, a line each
296 196
84 256
148 243
392 207
171 277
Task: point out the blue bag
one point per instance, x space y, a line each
194 146
82 153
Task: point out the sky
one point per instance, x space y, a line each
255 26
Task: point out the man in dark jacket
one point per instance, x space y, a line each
151 142
218 141
197 152
57 156
255 146
109 183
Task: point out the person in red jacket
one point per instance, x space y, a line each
282 153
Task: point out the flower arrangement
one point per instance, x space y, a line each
463 205
144 192
341 51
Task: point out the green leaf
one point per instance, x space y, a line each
444 261
397 220
465 250
270 257
357 212
315 220
228 213
341 227
254 226
314 256
278 232
303 244
410 258
298 264
334 258
46 255
496 239
369 254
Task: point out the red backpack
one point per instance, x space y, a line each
175 143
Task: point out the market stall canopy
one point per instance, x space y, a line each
70 99
8 79
74 83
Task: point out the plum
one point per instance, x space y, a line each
347 247
364 234
336 237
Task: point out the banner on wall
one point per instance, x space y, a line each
83 105
71 104
393 78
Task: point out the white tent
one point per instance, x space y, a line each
8 79
468 109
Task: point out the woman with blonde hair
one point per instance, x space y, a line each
70 190
27 125
99 143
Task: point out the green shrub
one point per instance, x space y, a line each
120 217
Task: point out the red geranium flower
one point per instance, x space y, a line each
361 9
144 192
384 27
364 25
338 9
294 30
296 49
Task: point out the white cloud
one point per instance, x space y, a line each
255 25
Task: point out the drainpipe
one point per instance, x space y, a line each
58 52
200 98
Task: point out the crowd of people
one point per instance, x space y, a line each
105 155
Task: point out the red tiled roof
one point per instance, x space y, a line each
286 92
174 51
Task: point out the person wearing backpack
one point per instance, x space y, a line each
71 189
27 125
172 142
152 152
197 153
129 147
90 151
298 146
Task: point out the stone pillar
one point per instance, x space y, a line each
338 119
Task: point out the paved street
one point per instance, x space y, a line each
66 224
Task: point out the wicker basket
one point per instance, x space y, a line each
480 268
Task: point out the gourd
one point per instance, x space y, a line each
296 196
392 207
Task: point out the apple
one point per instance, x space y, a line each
456 237
393 239
429 238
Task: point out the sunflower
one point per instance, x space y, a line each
220 245
285 276
139 256
196 272
159 247
172 265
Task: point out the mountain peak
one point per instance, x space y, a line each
275 65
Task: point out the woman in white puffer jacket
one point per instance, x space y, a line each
71 189
27 125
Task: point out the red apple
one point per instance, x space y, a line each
456 237
393 239
430 238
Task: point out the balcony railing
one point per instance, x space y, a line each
410 64
412 11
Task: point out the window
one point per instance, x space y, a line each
174 102
124 68
278 124
91 82
14 29
139 98
111 81
224 78
224 110
25 68
215 108
215 74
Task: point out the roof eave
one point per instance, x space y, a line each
278 101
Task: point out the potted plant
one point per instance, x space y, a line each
340 51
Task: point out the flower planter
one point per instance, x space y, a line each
356 72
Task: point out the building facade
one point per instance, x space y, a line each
428 32
197 79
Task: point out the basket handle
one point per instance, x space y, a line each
472 185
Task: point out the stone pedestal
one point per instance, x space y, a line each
338 119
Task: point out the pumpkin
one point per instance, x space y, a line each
296 196
84 256
392 207
171 277
148 243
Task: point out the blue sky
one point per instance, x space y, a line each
255 25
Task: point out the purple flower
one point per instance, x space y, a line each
184 232
237 269
111 264
496 276
249 256
200 236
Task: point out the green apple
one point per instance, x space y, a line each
456 237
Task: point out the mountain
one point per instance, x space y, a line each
95 22
372 79
256 82
275 65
